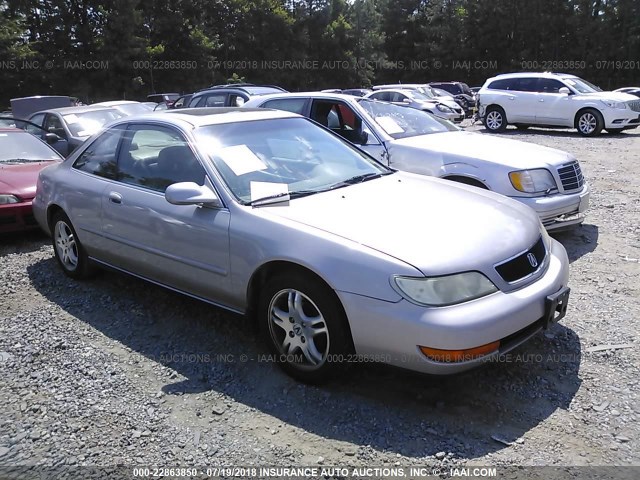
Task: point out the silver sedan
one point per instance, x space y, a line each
334 255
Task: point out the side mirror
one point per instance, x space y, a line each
363 137
564 91
51 138
406 100
190 193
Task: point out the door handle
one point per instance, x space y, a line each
115 197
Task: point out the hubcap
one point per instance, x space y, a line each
298 329
494 120
66 246
587 123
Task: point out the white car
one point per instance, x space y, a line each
428 91
549 181
555 100
419 101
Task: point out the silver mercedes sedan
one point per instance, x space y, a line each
337 257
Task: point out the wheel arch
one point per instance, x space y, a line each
277 267
52 210
584 109
467 180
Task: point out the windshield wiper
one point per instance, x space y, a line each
280 197
358 179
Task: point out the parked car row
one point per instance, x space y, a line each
550 181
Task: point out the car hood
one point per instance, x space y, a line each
435 225
21 179
608 96
458 145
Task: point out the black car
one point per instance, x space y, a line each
231 95
463 95
167 98
181 102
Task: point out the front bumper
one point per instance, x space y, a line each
451 116
617 118
391 332
16 217
560 210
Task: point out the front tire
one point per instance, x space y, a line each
589 122
303 323
68 250
495 120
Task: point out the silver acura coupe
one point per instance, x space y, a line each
337 257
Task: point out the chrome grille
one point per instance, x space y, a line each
635 105
524 264
571 176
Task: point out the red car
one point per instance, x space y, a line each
22 156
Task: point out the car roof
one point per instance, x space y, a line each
321 95
68 110
113 103
539 74
198 117
246 88
395 90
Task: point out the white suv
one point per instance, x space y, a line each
555 100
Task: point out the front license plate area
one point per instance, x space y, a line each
556 306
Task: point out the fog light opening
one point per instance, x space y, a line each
458 356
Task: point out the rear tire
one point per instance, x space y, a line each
304 325
589 122
495 120
69 252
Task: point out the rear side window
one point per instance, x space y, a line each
293 105
382 96
155 157
100 157
525 84
215 101
503 84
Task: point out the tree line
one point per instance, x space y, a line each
111 49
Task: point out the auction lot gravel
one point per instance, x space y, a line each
116 371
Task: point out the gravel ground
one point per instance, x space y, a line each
115 371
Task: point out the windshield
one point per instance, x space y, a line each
24 147
427 91
581 85
87 123
403 122
416 95
263 158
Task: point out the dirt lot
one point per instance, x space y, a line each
118 371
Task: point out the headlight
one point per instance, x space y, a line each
7 199
612 104
444 108
532 181
447 290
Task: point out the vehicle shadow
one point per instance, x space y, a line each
562 133
370 406
578 241
22 242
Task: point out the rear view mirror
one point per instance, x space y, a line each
190 193
564 91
